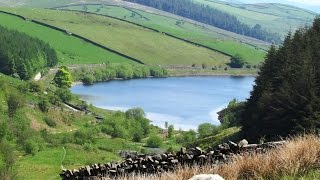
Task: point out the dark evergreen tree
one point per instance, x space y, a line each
286 98
23 55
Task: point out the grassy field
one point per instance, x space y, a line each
70 50
273 17
230 44
148 46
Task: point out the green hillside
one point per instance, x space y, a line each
148 46
228 43
70 50
277 18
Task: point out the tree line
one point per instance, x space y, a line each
211 16
285 100
112 71
22 55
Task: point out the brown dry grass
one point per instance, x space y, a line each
297 157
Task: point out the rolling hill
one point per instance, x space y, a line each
279 18
70 50
150 47
226 42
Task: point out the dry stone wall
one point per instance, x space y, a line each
154 164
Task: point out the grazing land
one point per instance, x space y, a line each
253 51
70 50
279 18
149 47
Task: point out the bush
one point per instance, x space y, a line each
206 129
54 99
50 122
44 105
14 103
137 136
204 66
64 94
154 141
237 62
63 77
135 113
36 87
31 147
88 79
170 131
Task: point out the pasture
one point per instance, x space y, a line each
70 50
229 43
150 47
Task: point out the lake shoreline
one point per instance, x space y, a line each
173 76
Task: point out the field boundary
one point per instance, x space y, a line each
74 35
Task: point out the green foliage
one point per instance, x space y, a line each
131 124
49 121
88 79
63 77
237 62
285 100
7 159
206 129
186 138
111 71
137 136
31 147
170 131
23 55
63 93
36 87
14 103
154 141
231 115
44 104
135 113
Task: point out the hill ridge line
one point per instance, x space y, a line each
74 35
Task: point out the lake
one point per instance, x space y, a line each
184 102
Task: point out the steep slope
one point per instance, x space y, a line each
229 43
278 18
148 46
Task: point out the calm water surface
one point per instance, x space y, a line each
185 102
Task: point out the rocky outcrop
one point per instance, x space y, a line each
154 164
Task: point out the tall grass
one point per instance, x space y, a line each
296 158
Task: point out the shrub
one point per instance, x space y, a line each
237 62
154 141
44 105
206 129
31 147
137 136
50 122
170 131
135 113
14 102
88 79
204 66
63 77
36 87
64 94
